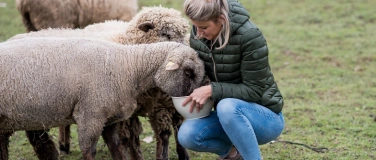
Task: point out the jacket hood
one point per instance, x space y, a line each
238 14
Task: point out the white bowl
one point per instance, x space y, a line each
184 110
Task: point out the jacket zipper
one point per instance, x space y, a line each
211 56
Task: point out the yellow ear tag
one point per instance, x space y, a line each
171 66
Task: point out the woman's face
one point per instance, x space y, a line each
208 29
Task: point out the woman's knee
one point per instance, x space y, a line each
226 108
186 135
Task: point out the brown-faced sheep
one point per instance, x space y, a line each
42 14
151 24
48 82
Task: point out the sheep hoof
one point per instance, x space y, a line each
64 150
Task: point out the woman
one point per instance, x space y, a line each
248 102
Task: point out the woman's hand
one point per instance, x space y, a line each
198 97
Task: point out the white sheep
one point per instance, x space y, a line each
151 24
48 82
42 14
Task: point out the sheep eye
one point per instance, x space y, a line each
189 73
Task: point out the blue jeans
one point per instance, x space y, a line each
234 122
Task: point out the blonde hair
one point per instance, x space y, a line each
204 10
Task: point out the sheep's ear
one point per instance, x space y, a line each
146 26
171 66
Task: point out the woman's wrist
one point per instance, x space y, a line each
210 92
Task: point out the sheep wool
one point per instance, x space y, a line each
108 25
109 35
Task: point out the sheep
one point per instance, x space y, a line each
41 14
151 24
49 82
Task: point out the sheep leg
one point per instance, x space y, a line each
42 144
64 139
89 128
4 143
177 120
161 122
88 141
132 142
111 138
164 137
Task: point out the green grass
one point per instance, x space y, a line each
323 57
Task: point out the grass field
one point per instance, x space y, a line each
323 56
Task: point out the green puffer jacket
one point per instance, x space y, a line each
241 69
